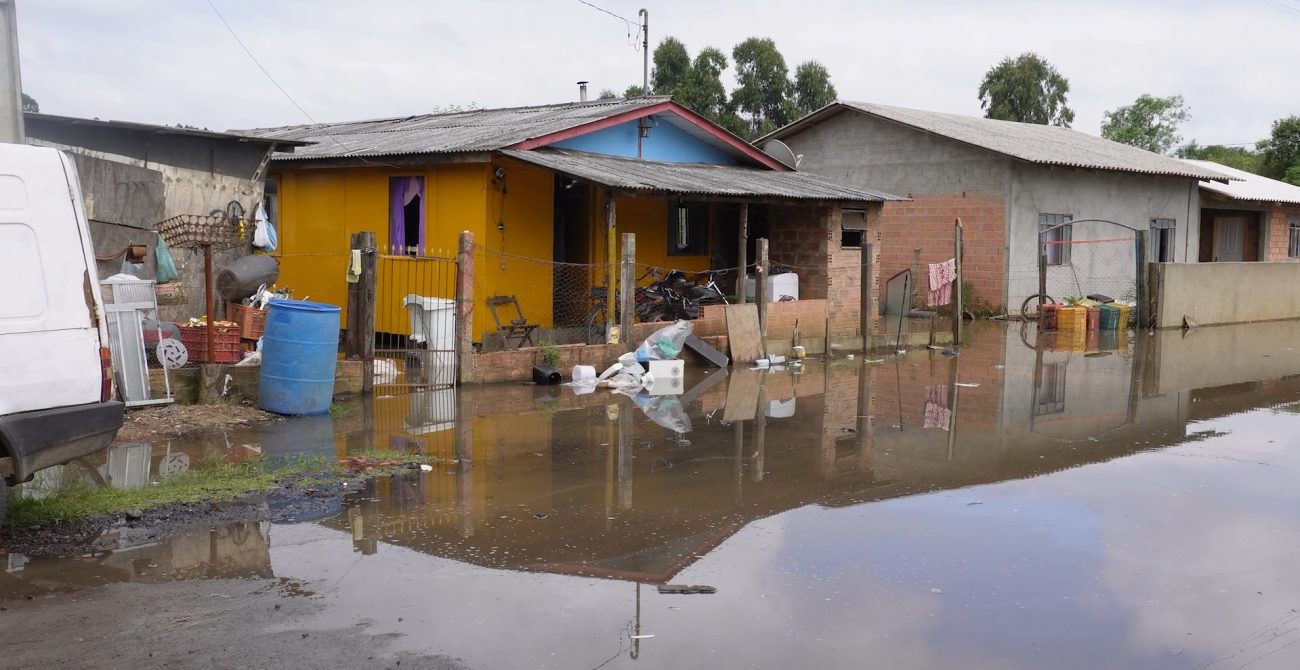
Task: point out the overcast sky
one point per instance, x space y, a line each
172 61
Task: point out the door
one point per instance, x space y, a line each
1229 234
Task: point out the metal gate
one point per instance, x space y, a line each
415 324
1089 257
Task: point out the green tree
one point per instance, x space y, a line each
812 87
1241 158
703 91
30 104
607 94
1281 151
1026 89
634 91
672 65
763 84
1149 123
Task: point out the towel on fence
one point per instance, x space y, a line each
942 276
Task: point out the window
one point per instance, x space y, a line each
853 226
1057 235
1162 240
406 235
688 229
1293 242
271 200
1050 397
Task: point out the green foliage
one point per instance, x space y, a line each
672 65
634 91
30 104
550 353
1281 151
1292 175
1026 89
607 94
812 87
1149 123
702 90
762 84
1241 158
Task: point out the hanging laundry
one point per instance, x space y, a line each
942 276
937 414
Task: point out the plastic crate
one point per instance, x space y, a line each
1070 318
1094 318
225 343
1047 318
252 321
1110 317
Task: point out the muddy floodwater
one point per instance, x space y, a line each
1112 502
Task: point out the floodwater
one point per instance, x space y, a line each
1111 502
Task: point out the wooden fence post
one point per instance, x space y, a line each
743 255
1143 292
360 341
465 309
868 281
627 292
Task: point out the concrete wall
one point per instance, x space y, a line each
1110 267
196 176
1223 355
1216 293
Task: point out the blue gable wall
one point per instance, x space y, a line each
666 143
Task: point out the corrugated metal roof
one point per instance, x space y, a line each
37 118
453 132
1251 187
1045 145
695 178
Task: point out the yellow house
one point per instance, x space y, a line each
545 191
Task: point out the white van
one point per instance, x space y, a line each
55 372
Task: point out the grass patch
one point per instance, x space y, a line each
209 481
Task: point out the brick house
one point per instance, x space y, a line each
1006 181
1253 219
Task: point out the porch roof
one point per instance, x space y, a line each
695 179
1251 187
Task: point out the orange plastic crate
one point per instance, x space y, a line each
225 342
252 322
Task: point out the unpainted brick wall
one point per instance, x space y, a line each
926 223
808 240
1279 231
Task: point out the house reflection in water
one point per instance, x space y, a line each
548 480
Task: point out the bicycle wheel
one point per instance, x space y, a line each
1033 300
596 322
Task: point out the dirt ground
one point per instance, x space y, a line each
231 623
169 421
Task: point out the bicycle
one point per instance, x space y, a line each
1033 300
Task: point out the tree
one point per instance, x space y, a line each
672 65
607 94
703 91
1281 151
1241 158
633 91
30 104
812 87
1149 123
762 84
1026 89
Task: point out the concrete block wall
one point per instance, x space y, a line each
808 240
1217 293
926 223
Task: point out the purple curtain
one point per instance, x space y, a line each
401 191
396 215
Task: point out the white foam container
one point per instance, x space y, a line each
668 369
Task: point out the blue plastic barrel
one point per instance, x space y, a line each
299 353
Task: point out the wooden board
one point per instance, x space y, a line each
742 334
706 351
743 389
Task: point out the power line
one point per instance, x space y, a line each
633 39
624 19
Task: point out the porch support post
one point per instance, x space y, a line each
627 292
956 289
465 309
611 255
760 289
743 255
1143 297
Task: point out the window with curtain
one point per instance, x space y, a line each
1162 240
406 234
1057 237
688 229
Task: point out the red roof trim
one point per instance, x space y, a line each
739 145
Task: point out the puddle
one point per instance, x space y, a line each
1096 503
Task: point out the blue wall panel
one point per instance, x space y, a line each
666 143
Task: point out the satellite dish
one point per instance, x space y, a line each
778 150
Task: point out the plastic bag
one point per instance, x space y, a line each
264 236
166 265
666 343
132 269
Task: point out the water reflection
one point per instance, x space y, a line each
762 493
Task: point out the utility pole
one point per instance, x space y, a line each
645 51
11 85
